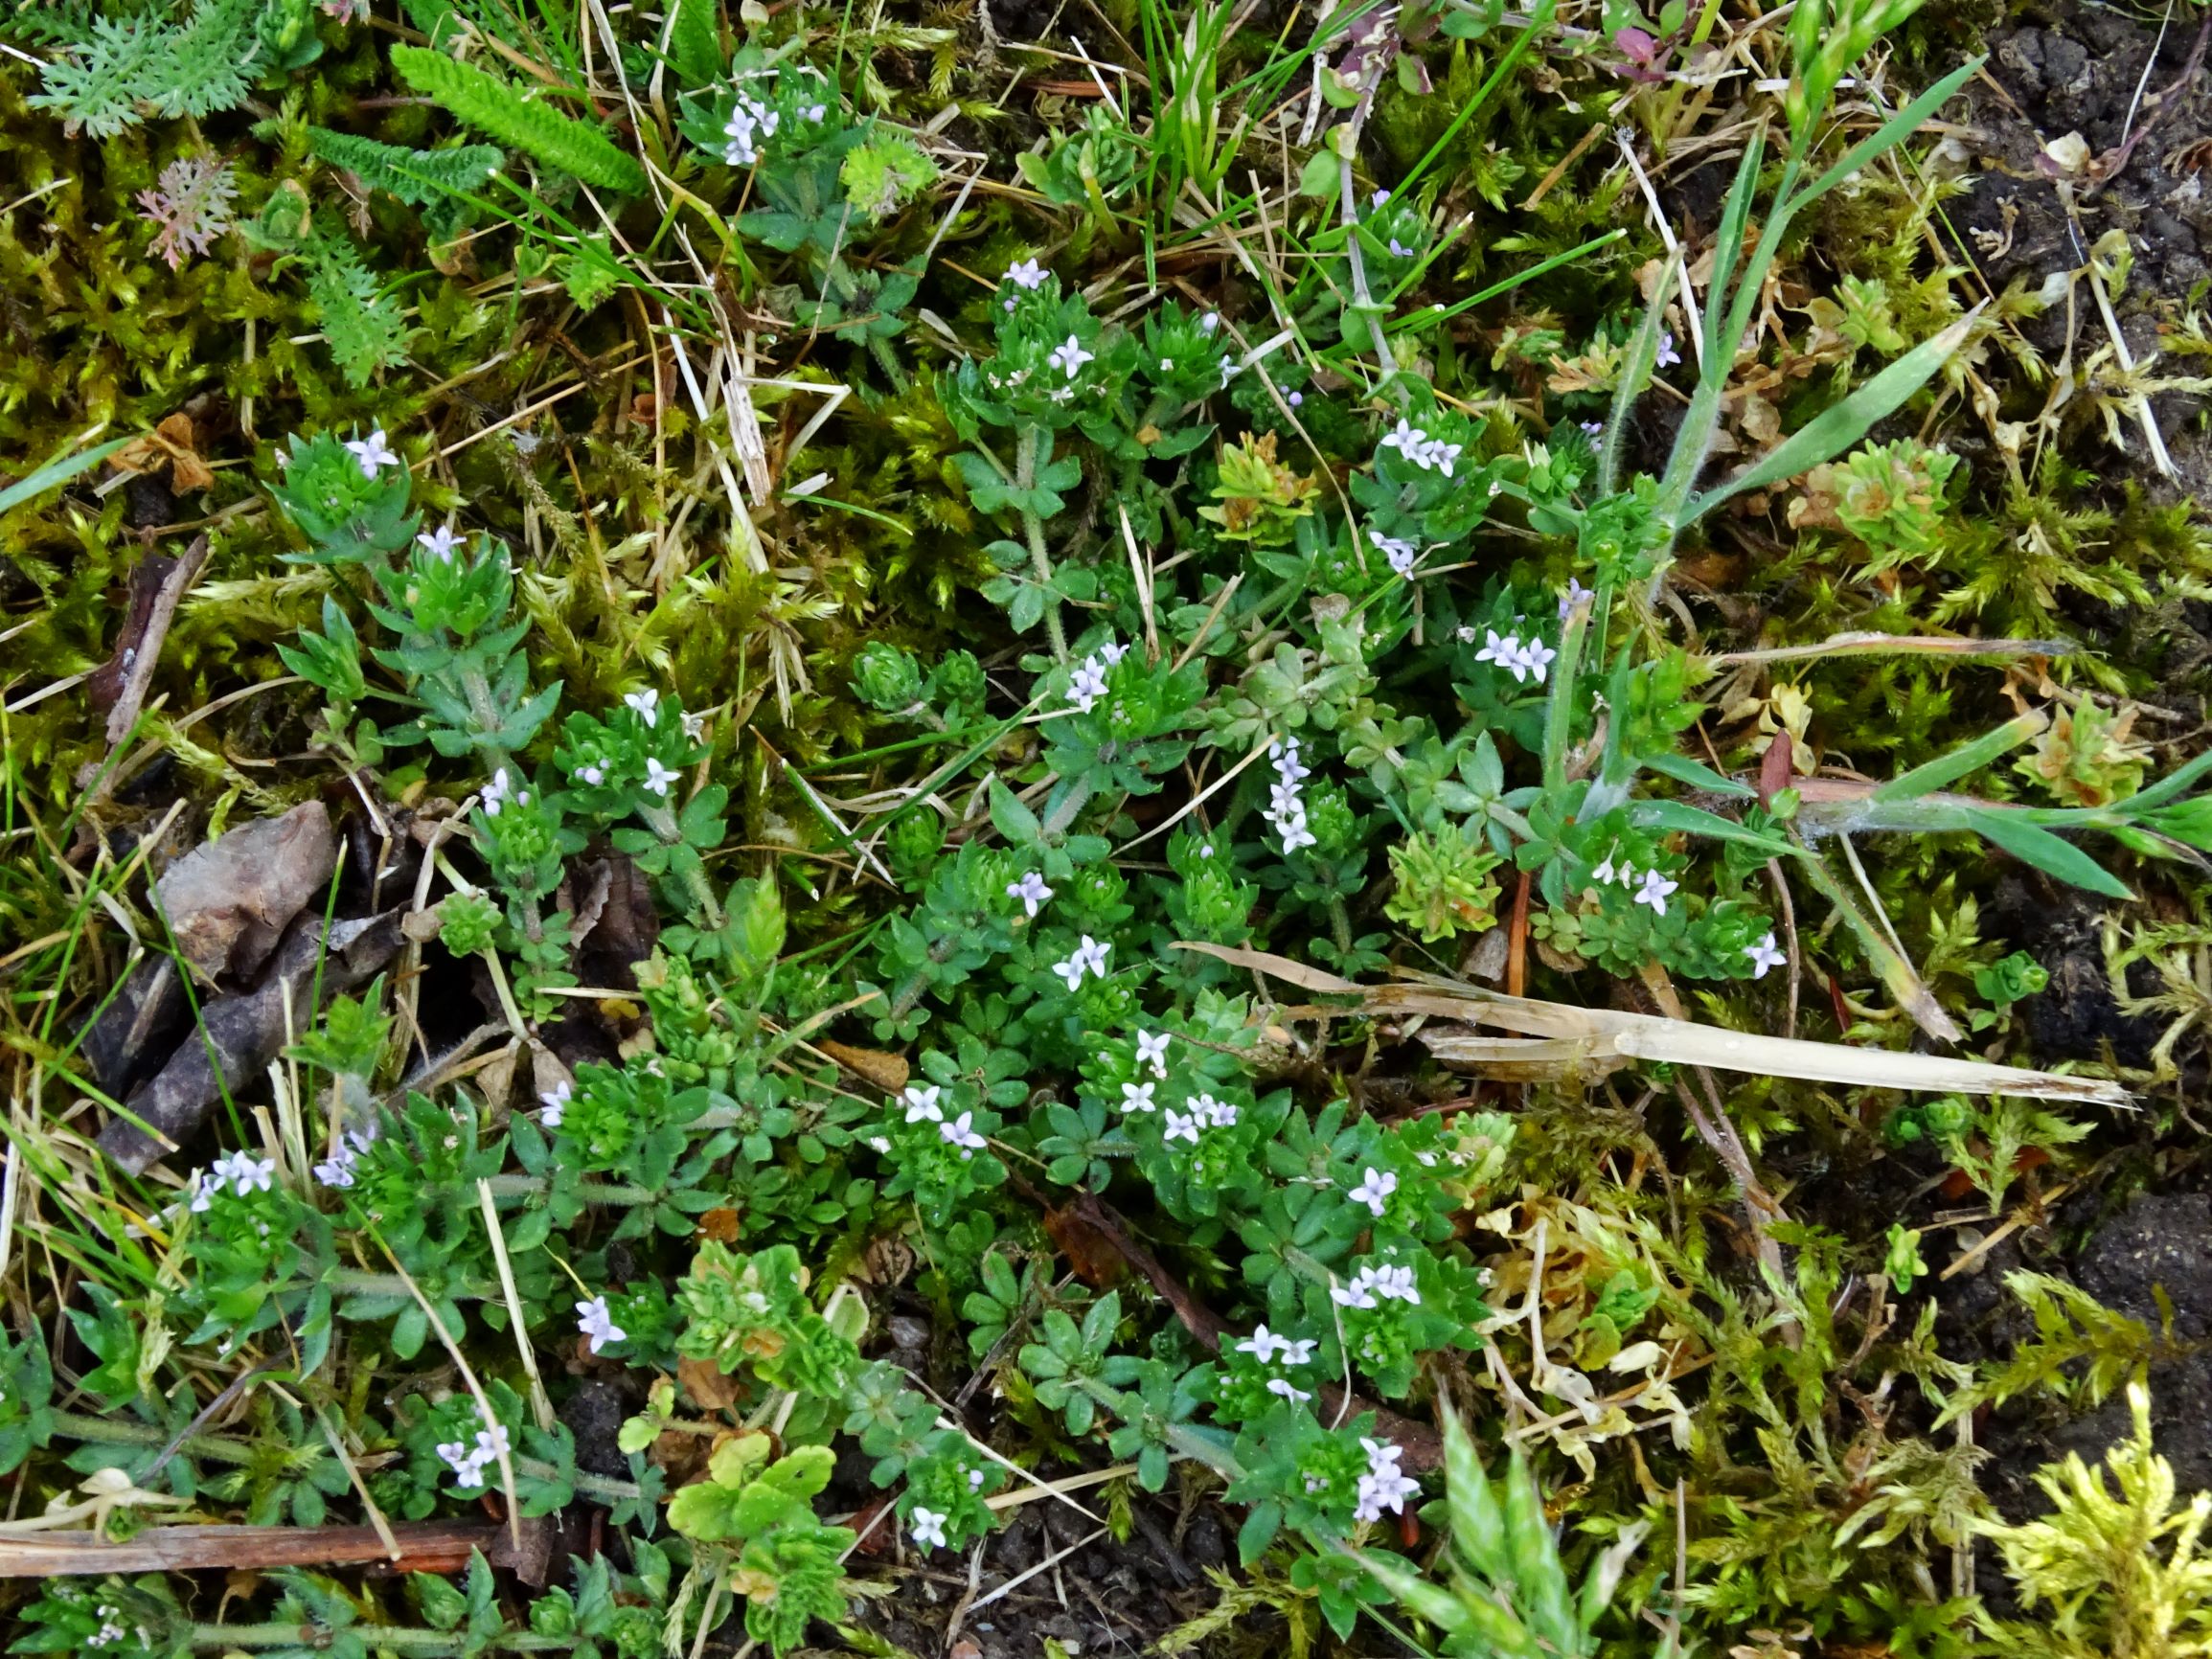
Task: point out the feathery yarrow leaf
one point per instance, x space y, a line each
487 103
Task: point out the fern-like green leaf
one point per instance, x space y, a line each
695 43
211 63
418 177
97 83
362 327
491 105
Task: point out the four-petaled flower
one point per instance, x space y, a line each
1152 1051
1504 653
1606 872
1380 1489
1180 1127
1399 553
1026 274
1763 956
1288 1390
594 1320
920 1099
929 1526
1378 1185
1262 1345
960 1132
1070 357
657 777
1536 658
1031 890
372 453
645 704
441 542
1090 957
1668 356
1087 684
1138 1097
1654 891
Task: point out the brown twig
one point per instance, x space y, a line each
430 1548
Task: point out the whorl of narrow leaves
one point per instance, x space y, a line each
487 103
418 177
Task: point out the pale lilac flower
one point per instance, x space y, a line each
1377 1186
594 775
1261 1344
1097 952
1208 322
975 1478
1396 1283
645 704
1595 428
657 777
1574 595
441 542
596 1321
1400 553
1031 890
1073 967
203 1188
1180 1127
1219 1114
555 1102
1536 658
929 1526
1408 439
1654 891
1287 805
491 1444
1763 956
454 1454
1297 400
1604 873
1398 250
1070 357
1382 1454
1358 1293
1138 1097
372 453
1087 684
337 1169
1152 1051
1378 198
961 1132
1288 1390
1387 1490
1668 356
695 724
1298 1353
1504 653
921 1102
1026 274
1114 652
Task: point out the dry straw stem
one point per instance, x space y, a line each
1559 1035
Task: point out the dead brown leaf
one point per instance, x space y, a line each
886 1071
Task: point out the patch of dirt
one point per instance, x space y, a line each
2143 108
2076 1016
1103 1599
